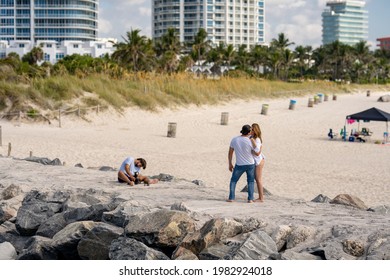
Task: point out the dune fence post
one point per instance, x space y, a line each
292 104
172 130
326 97
310 103
78 111
97 109
264 109
1 137
224 118
31 154
368 93
59 117
334 97
9 149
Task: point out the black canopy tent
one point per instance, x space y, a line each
373 114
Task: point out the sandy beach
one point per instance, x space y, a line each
301 161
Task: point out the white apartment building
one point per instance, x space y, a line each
54 51
236 22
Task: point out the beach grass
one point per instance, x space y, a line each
150 91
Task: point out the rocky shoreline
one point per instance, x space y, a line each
55 212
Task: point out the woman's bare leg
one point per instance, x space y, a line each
259 180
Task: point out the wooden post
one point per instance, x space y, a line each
9 149
172 130
368 93
326 98
310 103
59 117
78 111
97 109
334 97
264 109
224 118
31 154
292 104
1 137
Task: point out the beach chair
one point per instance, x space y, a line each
331 134
366 132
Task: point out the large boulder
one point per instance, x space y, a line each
130 249
67 240
384 98
162 229
95 244
7 251
39 248
36 208
212 232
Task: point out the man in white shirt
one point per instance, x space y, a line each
242 147
129 172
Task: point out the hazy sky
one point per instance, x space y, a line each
300 20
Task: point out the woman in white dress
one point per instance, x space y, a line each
257 141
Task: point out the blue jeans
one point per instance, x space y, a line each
250 177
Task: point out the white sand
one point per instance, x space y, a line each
301 162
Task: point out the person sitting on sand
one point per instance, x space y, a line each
129 172
257 142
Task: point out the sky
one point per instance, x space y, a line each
300 20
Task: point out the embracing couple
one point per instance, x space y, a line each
249 159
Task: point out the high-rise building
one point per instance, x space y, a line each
236 22
58 20
345 21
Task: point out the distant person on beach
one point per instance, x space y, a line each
257 142
242 147
129 172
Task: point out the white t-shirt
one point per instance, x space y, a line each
260 157
132 167
243 150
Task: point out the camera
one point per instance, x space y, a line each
136 180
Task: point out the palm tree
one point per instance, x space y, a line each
201 45
303 55
259 57
281 43
133 51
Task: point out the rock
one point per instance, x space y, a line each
384 98
107 168
6 213
349 200
39 248
353 247
291 255
280 235
216 252
7 251
213 232
321 199
299 234
379 246
66 240
382 209
37 208
130 249
95 244
120 215
52 225
44 161
184 254
199 183
79 165
258 246
164 229
10 192
92 213
163 177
